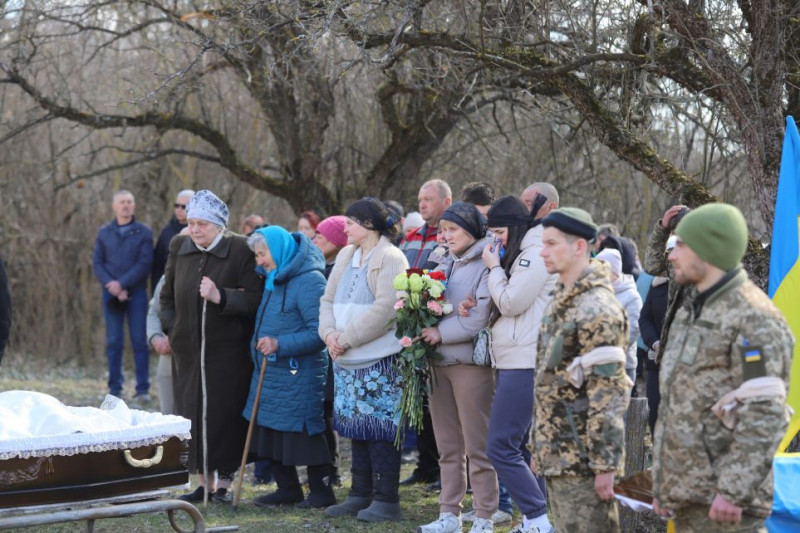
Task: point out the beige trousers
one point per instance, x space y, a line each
460 404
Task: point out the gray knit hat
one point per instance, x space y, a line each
205 205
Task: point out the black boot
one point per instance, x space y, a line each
321 493
359 498
289 491
385 506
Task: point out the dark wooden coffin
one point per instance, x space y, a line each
58 479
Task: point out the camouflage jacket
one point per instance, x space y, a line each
656 263
579 431
738 335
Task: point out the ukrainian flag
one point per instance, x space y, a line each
784 269
784 289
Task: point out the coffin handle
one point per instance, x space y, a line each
145 463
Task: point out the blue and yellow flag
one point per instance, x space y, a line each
784 269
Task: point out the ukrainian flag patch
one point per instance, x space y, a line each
752 356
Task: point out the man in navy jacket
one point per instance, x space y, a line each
173 227
122 259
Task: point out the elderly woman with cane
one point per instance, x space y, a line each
210 296
289 412
357 322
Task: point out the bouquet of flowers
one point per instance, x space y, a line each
420 304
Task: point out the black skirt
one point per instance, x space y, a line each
289 447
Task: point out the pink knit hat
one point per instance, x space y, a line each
332 228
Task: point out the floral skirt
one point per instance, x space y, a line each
366 401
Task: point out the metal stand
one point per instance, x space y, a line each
115 507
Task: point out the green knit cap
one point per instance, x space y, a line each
717 233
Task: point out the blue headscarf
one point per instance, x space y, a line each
282 247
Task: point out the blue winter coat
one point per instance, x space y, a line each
123 253
294 382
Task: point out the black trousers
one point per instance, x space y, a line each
428 461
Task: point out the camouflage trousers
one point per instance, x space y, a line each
694 519
576 507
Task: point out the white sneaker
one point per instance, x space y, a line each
447 523
499 517
482 525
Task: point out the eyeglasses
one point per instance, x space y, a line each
179 206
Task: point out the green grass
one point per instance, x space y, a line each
87 386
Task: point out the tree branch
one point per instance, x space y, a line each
133 162
13 133
164 121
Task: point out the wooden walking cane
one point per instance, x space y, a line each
205 403
253 414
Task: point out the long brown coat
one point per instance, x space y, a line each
229 328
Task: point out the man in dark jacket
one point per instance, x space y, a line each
122 259
651 322
434 197
5 309
173 227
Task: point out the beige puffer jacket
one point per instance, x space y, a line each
521 300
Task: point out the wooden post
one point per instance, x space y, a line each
636 460
635 455
636 429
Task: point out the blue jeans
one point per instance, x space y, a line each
114 312
504 500
512 411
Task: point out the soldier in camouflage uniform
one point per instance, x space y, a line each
656 264
723 383
578 440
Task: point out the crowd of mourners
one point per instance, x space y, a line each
294 331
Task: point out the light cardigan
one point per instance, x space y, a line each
385 262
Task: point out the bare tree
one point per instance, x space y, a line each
626 106
618 65
614 62
274 52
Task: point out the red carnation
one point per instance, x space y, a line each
437 275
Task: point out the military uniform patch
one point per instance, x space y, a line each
754 364
752 356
